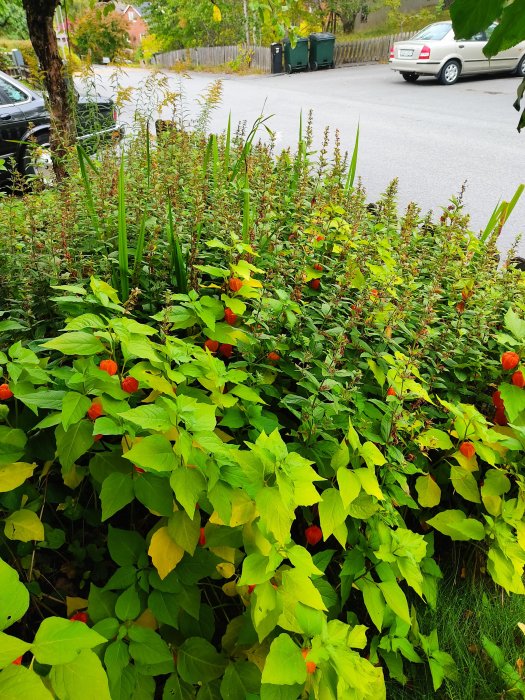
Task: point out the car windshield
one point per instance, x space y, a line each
434 32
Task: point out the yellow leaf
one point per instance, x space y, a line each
230 589
217 16
164 552
147 619
243 508
225 553
13 475
222 435
73 477
24 525
73 605
225 569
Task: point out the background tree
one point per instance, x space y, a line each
98 33
39 16
12 20
347 12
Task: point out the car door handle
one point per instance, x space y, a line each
5 117
461 46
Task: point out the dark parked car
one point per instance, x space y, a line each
24 126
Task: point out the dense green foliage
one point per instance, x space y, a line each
98 33
12 20
243 415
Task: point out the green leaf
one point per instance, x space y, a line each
428 492
341 457
472 16
148 417
465 484
369 482
24 525
12 444
128 605
14 596
298 585
81 679
371 454
514 399
155 453
125 546
457 526
11 648
331 512
151 491
117 491
374 601
147 647
74 408
246 393
187 485
349 485
75 343
18 682
175 689
199 662
240 679
495 483
435 439
85 321
101 604
185 531
73 443
198 416
277 518
284 664
509 31
58 641
515 324
395 599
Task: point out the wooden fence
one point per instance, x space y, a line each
359 51
367 50
254 57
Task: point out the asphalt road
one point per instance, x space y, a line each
433 138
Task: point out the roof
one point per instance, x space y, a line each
123 7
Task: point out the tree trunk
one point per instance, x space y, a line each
39 14
348 22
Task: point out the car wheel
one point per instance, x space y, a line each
288 68
410 77
36 159
520 69
449 73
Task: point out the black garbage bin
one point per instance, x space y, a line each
322 50
296 58
277 57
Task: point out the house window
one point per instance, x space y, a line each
131 15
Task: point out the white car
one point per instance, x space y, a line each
436 51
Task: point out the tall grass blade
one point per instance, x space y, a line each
177 264
353 165
83 158
122 235
500 215
246 211
227 145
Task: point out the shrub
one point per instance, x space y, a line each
247 482
98 33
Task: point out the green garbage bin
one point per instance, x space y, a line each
322 50
296 58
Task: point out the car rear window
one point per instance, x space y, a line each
11 94
433 32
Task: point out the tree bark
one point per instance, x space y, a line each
39 15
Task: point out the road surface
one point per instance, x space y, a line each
433 138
